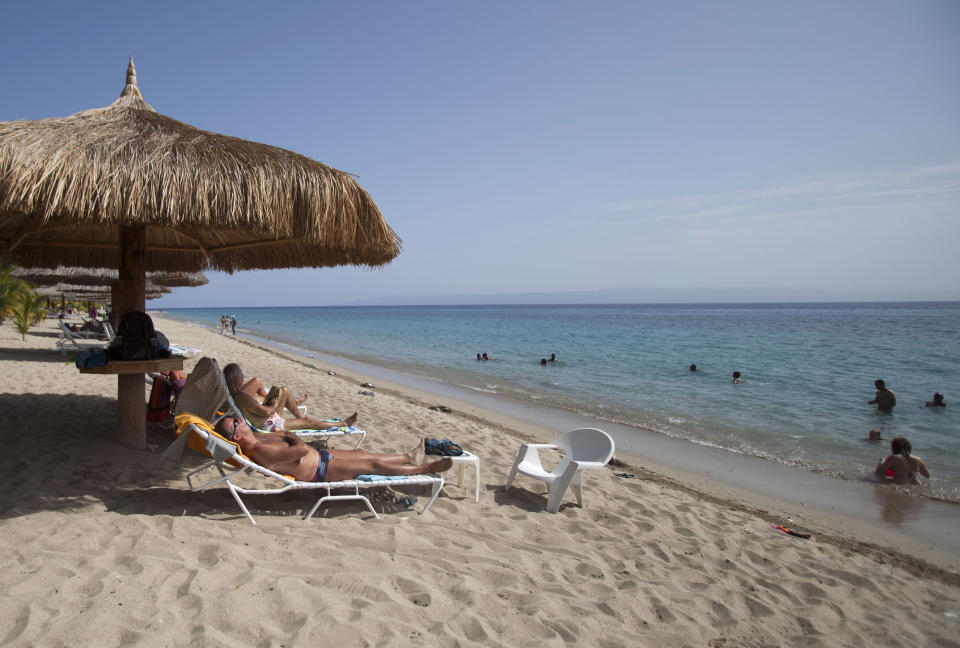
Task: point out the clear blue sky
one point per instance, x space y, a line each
544 146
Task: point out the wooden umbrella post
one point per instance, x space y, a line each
131 417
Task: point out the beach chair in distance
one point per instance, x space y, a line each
583 449
232 464
205 394
71 341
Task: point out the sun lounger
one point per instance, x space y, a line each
231 464
72 341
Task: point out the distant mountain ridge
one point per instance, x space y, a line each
663 296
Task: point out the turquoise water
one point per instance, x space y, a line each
808 369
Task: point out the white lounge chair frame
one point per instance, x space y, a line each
69 339
206 391
584 449
221 451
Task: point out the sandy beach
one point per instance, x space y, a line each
106 546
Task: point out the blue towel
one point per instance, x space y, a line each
374 478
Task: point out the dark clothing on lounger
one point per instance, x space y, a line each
325 458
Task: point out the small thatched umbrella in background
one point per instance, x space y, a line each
108 278
178 279
125 187
94 293
105 277
64 275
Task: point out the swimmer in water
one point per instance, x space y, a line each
901 467
884 399
736 378
937 401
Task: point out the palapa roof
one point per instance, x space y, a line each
93 293
105 277
209 201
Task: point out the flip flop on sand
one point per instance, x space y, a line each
796 534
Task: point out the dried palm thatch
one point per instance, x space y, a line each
93 293
207 201
177 279
64 275
104 277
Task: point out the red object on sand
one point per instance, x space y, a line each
796 534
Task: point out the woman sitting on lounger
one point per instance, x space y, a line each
268 414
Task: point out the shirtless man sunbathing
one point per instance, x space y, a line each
268 414
289 455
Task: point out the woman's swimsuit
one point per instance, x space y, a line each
272 423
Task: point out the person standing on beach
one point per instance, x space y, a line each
884 399
233 324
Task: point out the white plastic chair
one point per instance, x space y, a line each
582 449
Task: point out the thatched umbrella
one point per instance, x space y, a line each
101 277
94 293
177 279
104 277
125 187
64 275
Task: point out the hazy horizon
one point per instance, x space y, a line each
617 297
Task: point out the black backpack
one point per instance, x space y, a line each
136 339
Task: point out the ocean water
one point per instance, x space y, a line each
808 369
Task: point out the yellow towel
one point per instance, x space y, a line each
186 419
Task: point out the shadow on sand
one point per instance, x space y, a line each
59 459
34 355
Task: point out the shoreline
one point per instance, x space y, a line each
751 484
850 459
